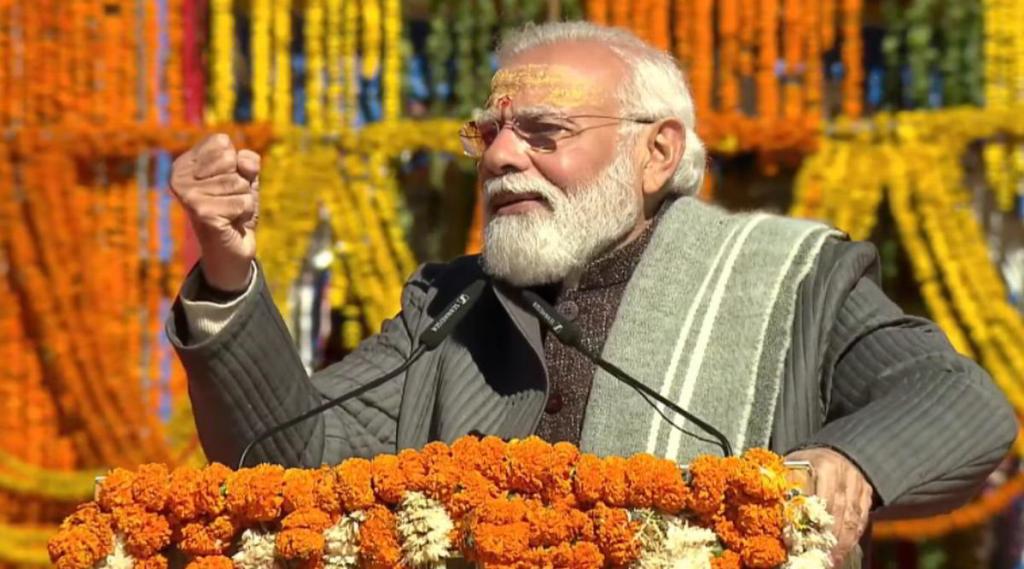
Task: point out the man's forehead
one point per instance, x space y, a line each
541 84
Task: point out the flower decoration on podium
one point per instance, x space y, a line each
524 503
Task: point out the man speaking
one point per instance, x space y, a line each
773 330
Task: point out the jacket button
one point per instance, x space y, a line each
569 309
554 404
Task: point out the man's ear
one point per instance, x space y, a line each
665 145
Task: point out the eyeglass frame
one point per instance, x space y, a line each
464 135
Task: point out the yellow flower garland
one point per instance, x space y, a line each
371 28
222 25
335 59
392 59
1004 87
349 47
314 36
260 60
282 25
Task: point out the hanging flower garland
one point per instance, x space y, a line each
490 502
313 32
392 59
282 98
260 59
222 58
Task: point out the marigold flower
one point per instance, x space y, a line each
765 459
443 476
210 498
589 480
616 535
501 542
154 562
466 452
84 538
299 490
378 539
210 562
616 488
727 560
760 519
727 531
145 533
389 482
491 461
354 484
548 527
473 490
307 518
502 510
208 538
709 478
558 486
116 489
254 494
150 488
183 502
586 555
326 491
529 464
763 552
414 470
640 480
300 543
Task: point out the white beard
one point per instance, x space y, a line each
543 247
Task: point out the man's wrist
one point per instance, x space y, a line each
210 292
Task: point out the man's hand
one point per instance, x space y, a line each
218 187
847 494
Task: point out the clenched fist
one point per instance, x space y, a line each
219 188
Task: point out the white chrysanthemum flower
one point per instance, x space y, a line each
810 559
424 528
681 536
118 558
341 542
808 526
669 542
817 513
256 550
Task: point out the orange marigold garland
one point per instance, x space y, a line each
524 503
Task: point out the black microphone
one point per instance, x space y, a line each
429 339
570 334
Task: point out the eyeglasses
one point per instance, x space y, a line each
541 132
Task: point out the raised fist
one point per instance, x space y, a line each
219 189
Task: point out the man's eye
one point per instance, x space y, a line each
544 128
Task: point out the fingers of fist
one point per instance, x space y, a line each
216 183
240 208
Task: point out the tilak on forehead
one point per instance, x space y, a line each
547 84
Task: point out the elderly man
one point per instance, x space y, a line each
772 329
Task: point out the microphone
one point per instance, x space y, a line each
429 339
570 334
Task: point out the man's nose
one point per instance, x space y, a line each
507 153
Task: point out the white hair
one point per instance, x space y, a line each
654 89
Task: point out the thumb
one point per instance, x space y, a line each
248 164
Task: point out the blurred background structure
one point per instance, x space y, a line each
899 121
